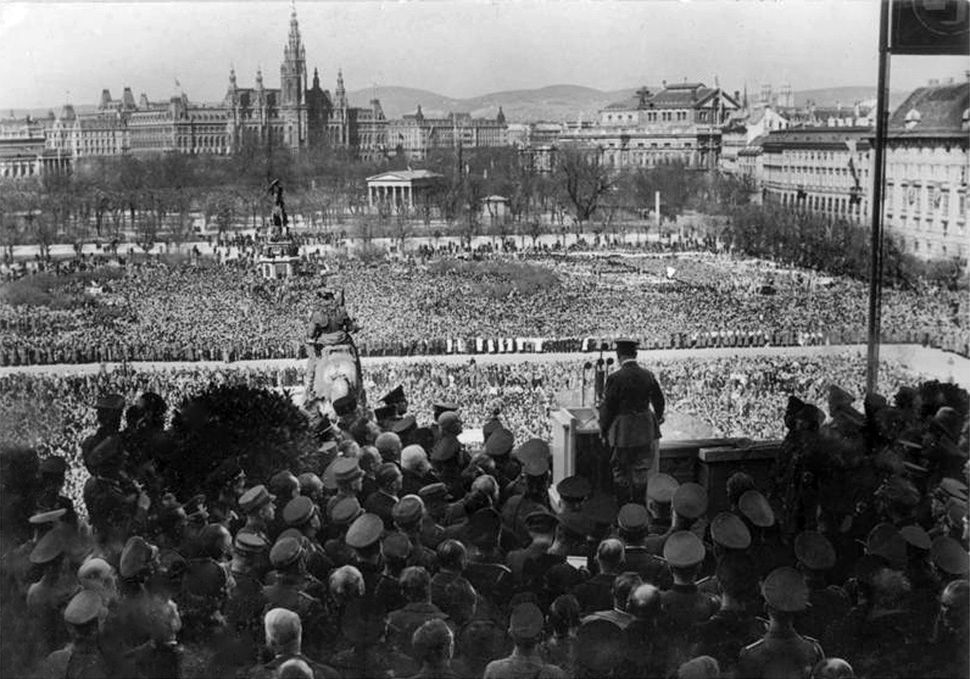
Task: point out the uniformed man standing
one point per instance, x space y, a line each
630 416
525 628
329 325
782 650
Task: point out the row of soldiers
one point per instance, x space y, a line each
410 555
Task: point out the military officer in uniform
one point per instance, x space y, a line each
525 628
329 325
629 418
782 650
83 656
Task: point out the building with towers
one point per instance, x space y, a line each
298 115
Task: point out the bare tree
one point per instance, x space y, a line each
585 180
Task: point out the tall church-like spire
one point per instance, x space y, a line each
340 93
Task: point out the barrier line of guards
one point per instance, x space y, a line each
117 353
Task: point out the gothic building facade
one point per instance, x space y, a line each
298 115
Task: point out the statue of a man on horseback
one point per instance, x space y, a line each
333 365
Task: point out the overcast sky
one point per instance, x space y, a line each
51 52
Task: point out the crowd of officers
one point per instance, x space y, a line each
407 559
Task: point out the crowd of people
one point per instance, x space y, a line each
736 397
202 310
389 548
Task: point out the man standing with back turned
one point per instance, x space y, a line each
630 429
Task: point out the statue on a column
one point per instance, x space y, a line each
280 220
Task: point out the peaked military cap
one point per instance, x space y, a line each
137 555
839 396
948 421
541 522
83 608
754 506
298 511
310 483
434 491
661 487
292 533
626 344
364 531
690 500
884 540
205 578
408 509
249 542
47 548
345 405
395 395
438 408
384 413
632 517
954 488
574 488
403 424
254 498
52 516
950 556
729 531
345 510
396 546
814 550
532 450
499 443
286 552
526 621
683 549
785 589
917 537
346 469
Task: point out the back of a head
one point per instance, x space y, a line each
295 668
564 614
701 667
832 668
346 582
610 554
737 576
415 583
388 444
283 628
644 602
623 585
738 484
452 555
433 642
486 485
414 459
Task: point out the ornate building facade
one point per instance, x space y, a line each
298 115
681 123
415 134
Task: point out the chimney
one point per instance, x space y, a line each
934 82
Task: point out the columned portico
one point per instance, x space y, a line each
400 190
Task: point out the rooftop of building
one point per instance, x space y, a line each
815 137
674 95
934 110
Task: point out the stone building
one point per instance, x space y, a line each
415 134
926 172
298 115
679 124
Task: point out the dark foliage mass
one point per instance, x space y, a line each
262 430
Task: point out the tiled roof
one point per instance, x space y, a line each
939 110
817 137
678 95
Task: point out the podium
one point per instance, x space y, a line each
578 450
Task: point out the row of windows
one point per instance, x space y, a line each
841 205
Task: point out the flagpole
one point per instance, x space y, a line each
875 205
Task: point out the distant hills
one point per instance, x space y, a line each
551 103
565 102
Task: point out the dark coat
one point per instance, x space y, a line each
625 418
